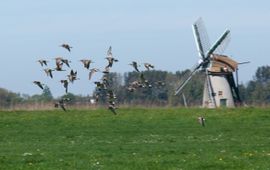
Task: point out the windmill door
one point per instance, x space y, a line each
223 102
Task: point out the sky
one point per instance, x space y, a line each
154 31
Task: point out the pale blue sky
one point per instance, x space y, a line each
155 31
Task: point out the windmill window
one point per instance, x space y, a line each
220 93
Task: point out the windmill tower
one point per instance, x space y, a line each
220 89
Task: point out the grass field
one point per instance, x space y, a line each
135 139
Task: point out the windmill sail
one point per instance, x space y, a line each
223 45
187 77
220 44
201 37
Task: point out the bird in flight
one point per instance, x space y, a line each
112 108
148 66
61 103
66 61
59 64
144 82
39 84
72 76
110 57
86 63
92 71
48 72
66 46
43 62
160 83
65 84
135 65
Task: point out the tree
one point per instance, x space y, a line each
46 94
257 90
262 74
8 98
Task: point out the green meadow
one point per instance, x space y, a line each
136 138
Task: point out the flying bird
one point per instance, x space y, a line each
107 70
43 62
65 84
96 97
59 67
148 66
59 64
134 85
111 61
66 61
135 65
92 71
58 60
111 95
72 76
131 89
112 108
159 83
100 85
39 84
61 103
109 52
86 63
48 72
144 82
66 46
105 80
110 57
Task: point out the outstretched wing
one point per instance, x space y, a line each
109 52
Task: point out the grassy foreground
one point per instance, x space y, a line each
135 139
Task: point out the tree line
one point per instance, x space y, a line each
255 92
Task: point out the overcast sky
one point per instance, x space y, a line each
152 31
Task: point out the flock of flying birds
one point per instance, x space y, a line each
102 86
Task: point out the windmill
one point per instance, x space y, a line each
220 89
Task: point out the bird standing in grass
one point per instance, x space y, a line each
201 120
